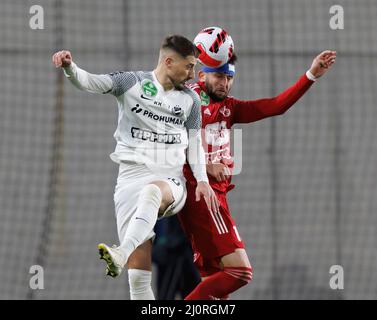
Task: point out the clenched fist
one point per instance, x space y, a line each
62 59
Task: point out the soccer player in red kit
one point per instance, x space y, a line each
219 252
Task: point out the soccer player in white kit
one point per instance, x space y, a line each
158 129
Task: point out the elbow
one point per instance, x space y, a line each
281 112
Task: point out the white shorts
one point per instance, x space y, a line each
131 180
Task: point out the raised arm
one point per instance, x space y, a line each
253 110
96 83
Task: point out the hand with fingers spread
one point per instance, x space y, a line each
322 63
204 190
219 171
62 58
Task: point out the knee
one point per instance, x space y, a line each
166 196
151 193
243 274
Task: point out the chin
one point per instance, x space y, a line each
179 86
221 96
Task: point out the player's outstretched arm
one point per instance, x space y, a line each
97 83
253 110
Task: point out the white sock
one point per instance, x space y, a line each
144 219
140 284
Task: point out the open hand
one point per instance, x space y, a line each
219 171
204 190
322 63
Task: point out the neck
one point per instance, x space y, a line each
163 78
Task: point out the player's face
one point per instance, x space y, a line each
181 70
218 84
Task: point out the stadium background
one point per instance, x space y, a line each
306 198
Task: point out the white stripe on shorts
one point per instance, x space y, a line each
222 220
219 223
216 223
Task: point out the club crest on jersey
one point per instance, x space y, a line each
177 110
149 88
204 98
225 111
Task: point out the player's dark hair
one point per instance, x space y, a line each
233 59
181 45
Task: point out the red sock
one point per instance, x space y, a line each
221 283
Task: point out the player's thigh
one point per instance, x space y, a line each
213 235
175 192
141 258
238 258
125 201
166 193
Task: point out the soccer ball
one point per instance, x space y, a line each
215 46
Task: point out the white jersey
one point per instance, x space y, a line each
153 124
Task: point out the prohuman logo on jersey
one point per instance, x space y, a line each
145 135
156 117
137 109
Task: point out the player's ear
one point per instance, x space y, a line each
201 76
168 61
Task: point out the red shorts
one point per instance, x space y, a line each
211 236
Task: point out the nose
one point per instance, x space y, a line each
224 82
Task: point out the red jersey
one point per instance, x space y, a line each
219 116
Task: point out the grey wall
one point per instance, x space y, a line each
305 199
